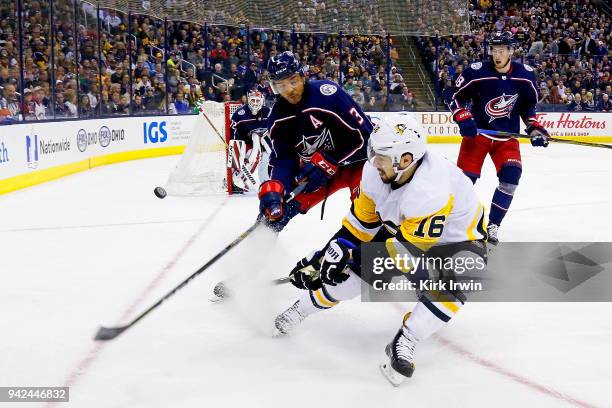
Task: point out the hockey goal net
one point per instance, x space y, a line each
202 169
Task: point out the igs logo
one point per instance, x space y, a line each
154 132
3 154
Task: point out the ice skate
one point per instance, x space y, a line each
492 230
401 357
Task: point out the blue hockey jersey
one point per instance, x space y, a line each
243 123
326 120
498 100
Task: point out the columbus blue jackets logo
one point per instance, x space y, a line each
311 144
500 106
328 89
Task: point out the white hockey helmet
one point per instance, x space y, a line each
255 100
395 135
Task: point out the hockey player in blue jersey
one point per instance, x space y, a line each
249 146
501 92
319 138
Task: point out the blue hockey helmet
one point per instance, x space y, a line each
502 38
283 66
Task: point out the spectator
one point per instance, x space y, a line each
85 109
61 110
589 103
605 105
577 104
70 103
181 105
9 105
106 105
349 86
358 97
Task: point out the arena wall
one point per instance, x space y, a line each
37 152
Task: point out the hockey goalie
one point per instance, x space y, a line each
249 145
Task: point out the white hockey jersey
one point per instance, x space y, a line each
437 206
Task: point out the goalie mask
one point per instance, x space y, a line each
255 100
395 135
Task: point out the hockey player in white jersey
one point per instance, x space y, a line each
418 203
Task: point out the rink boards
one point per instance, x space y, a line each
36 152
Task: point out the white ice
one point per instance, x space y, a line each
98 248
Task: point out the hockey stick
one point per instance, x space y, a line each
248 176
281 281
553 139
109 333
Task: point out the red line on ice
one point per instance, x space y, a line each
505 372
83 365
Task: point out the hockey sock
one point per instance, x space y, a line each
429 316
329 296
502 198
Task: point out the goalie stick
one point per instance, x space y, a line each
552 139
109 333
247 176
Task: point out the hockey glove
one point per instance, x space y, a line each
275 212
539 135
335 260
271 195
467 125
317 172
305 275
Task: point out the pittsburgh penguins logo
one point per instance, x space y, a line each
400 128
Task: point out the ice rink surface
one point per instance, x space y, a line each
98 248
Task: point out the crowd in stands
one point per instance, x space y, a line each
100 79
567 42
132 67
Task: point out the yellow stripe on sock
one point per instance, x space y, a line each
322 300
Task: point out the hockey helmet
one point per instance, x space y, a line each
283 66
501 38
395 135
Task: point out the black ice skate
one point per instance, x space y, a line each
492 234
401 357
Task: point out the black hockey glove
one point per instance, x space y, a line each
305 275
539 135
335 260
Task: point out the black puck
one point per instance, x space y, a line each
160 192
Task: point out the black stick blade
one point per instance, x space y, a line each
108 333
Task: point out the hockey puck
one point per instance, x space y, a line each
160 192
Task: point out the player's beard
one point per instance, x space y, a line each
386 178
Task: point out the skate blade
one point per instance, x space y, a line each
394 378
